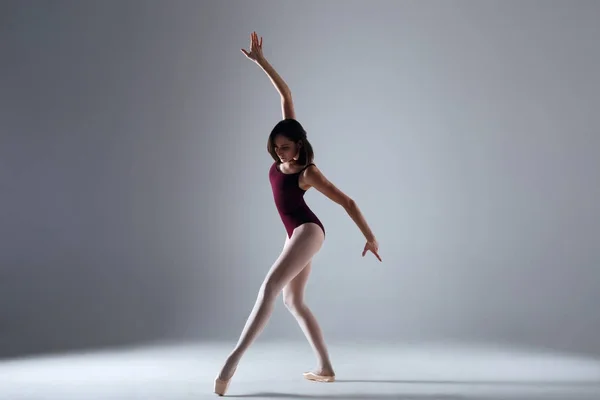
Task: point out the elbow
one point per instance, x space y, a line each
349 205
286 94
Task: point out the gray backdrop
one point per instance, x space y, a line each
133 169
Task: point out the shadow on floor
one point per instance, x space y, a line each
357 396
565 383
415 396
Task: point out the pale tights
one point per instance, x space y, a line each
289 274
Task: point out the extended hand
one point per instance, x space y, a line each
255 53
373 247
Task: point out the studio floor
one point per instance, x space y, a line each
274 370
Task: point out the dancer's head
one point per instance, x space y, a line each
288 142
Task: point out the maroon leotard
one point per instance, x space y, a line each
289 199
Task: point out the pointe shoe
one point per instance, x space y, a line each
311 376
221 386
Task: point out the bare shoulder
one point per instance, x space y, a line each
311 169
309 176
313 177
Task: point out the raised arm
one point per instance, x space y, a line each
256 55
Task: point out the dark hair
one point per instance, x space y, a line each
293 130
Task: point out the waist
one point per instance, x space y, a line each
299 216
292 208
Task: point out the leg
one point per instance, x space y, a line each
305 242
293 297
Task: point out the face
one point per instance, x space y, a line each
285 149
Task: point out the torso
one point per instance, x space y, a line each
289 186
290 170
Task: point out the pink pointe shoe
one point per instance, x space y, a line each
221 386
311 376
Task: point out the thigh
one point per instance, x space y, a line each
298 251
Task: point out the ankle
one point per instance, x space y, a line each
228 368
326 367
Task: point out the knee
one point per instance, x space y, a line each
269 290
293 303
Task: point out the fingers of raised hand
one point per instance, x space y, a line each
255 42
